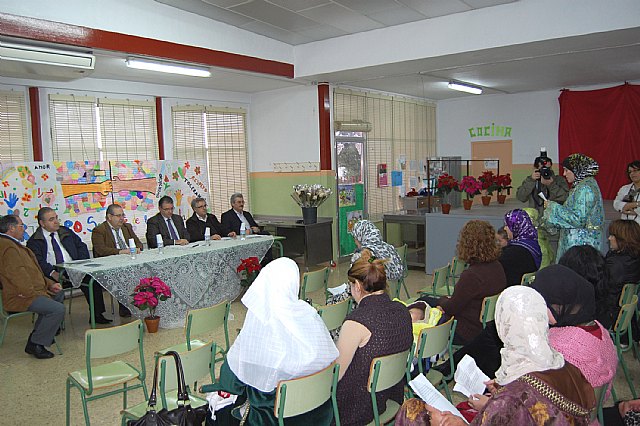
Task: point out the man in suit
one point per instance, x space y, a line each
167 224
232 218
201 220
112 237
25 288
53 244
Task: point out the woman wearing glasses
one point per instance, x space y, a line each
628 198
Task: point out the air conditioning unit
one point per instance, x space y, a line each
46 56
352 126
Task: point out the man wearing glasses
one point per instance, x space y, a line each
201 220
169 225
112 237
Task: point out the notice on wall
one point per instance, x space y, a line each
81 191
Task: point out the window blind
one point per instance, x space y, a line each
400 128
74 131
216 136
14 140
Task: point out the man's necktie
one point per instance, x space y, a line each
121 242
172 232
56 249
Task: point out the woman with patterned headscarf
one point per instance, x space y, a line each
581 218
367 235
522 253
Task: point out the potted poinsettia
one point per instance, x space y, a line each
248 270
503 183
446 184
488 181
471 187
147 295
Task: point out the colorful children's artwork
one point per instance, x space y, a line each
352 218
81 191
347 196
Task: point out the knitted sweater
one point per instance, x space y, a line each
595 358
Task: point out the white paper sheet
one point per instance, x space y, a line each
429 394
337 290
469 378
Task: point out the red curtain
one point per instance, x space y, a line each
605 125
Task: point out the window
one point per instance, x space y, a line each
402 129
216 136
89 129
14 139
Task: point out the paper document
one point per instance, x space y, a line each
541 195
429 394
469 378
337 290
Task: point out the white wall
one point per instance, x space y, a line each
284 127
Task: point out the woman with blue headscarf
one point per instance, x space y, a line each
522 254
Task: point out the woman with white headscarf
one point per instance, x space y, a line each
534 385
282 338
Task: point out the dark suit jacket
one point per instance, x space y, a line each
104 244
196 227
70 241
158 225
231 222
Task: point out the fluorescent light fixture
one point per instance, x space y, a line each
45 56
172 68
465 87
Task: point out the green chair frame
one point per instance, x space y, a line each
201 321
334 315
400 283
196 364
304 394
313 281
457 267
385 372
628 290
6 316
433 341
440 284
621 328
488 309
103 343
601 394
528 278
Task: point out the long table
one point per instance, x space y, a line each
199 275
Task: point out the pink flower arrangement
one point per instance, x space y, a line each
149 293
470 185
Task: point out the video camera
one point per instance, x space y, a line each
544 163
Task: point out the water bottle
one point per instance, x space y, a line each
207 235
132 248
159 243
243 231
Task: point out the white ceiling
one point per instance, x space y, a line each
610 57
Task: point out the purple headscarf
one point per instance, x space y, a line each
524 233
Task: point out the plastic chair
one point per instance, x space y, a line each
387 371
457 267
304 394
196 364
488 309
621 328
628 290
433 341
528 278
103 343
334 315
601 393
313 281
440 284
201 321
402 252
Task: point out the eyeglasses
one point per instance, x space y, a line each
204 206
632 171
167 209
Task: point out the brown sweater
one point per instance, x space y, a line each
20 276
477 282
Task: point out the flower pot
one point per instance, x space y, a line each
502 198
486 199
309 215
152 324
446 208
467 204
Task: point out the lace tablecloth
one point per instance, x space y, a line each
198 275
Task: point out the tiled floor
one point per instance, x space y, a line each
33 391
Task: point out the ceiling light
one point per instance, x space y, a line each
465 87
45 56
172 68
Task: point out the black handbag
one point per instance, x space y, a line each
183 415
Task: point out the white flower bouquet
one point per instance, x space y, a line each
310 195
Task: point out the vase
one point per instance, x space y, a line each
446 208
502 198
486 199
467 204
309 215
152 324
